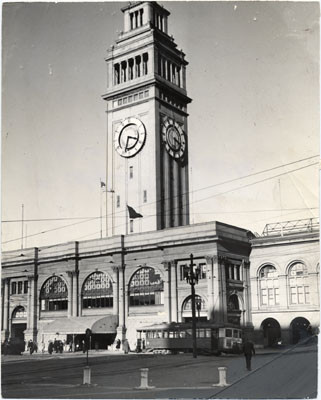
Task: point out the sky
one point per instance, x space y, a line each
253 75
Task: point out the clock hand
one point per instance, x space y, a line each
129 137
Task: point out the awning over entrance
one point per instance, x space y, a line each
78 325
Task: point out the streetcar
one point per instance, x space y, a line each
177 337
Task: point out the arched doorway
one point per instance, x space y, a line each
300 328
18 324
271 331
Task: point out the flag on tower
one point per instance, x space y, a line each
133 214
102 184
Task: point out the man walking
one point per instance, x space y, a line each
248 349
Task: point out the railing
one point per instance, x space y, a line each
288 227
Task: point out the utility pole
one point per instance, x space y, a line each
191 277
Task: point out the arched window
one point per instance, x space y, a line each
298 283
269 286
146 288
233 303
97 291
200 304
54 295
19 313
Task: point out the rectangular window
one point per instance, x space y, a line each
306 295
131 226
120 102
145 196
264 297
141 95
182 270
136 97
118 201
19 287
125 100
202 267
300 295
13 287
293 295
25 287
131 172
228 332
146 93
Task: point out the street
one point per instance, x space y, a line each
286 373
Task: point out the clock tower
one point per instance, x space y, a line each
147 139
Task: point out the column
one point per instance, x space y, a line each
115 291
127 22
75 294
223 289
167 291
210 287
247 293
176 193
70 294
5 306
173 283
167 190
121 330
184 193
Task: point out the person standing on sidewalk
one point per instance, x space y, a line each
248 350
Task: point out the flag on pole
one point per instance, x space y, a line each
102 184
133 214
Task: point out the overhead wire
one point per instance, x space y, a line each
195 201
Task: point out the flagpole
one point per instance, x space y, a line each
22 217
101 212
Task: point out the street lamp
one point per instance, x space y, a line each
191 276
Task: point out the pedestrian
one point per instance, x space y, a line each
50 347
126 346
43 347
248 350
30 346
118 344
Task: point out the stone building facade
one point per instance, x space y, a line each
285 281
116 285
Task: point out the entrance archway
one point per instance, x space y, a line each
271 331
300 328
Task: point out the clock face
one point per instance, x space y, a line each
130 137
173 138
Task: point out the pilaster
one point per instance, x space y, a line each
115 290
167 291
5 307
173 282
210 287
247 293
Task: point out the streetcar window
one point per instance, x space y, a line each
165 333
208 332
171 334
228 333
182 334
188 332
235 333
201 333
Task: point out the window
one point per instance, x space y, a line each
137 66
298 282
145 63
13 287
19 287
25 287
116 74
19 313
269 286
54 295
97 291
131 225
202 267
118 201
146 288
131 172
145 196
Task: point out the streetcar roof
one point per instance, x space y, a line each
184 325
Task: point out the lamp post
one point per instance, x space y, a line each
191 276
